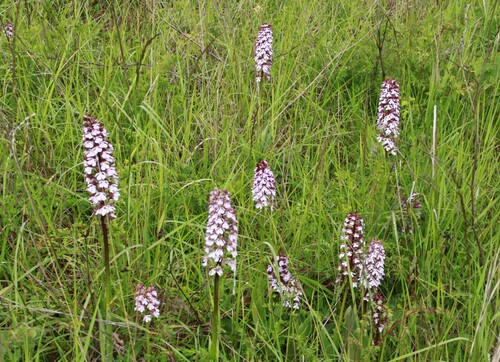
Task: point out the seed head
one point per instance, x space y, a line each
221 233
100 171
351 249
264 189
264 52
286 285
147 302
8 30
388 115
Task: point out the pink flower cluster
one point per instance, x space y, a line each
8 30
286 285
388 115
374 265
264 52
365 269
222 232
100 171
264 189
379 316
146 301
351 249
373 275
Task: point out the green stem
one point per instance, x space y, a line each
342 308
107 290
214 348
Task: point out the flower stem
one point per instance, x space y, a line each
214 347
107 290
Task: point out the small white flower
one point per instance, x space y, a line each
100 196
92 189
106 210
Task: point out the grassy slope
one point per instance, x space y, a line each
190 118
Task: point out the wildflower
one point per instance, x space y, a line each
388 115
99 163
147 302
287 286
264 52
374 265
264 189
351 249
8 30
222 232
379 312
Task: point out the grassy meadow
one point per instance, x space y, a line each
174 84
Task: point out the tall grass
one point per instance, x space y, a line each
174 84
